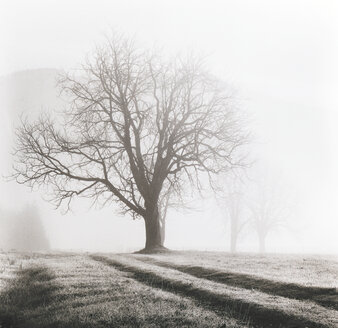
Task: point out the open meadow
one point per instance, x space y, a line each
176 289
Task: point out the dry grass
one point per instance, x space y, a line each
308 270
75 291
182 289
10 263
325 296
259 308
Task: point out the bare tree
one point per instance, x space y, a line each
135 123
235 206
269 207
164 204
174 199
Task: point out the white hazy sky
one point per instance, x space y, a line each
281 56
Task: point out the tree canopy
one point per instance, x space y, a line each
136 125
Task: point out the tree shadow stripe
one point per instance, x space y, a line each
326 297
258 315
33 287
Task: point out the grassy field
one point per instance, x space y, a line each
177 289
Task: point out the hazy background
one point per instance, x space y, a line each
280 56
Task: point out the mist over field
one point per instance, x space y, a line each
278 58
168 164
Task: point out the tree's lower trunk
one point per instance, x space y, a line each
233 235
233 243
153 231
261 243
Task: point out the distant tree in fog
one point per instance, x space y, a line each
135 124
22 230
163 206
269 208
173 199
235 208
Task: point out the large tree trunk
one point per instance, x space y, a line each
153 231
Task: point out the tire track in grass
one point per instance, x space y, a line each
327 297
258 315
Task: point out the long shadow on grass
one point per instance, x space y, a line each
327 297
30 300
258 316
33 287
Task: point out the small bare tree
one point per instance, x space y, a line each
269 207
164 204
171 198
234 203
134 124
